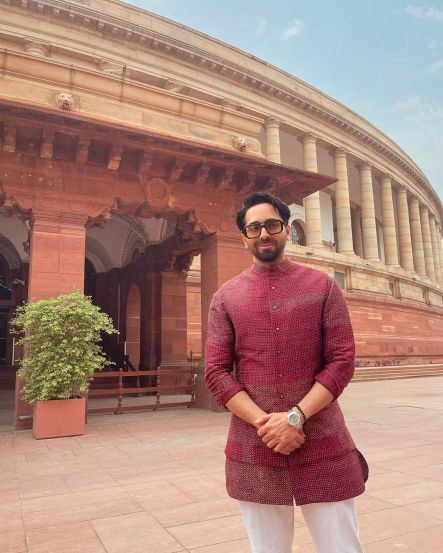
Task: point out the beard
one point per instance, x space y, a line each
269 254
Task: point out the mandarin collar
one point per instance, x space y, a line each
283 267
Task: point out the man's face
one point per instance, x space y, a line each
268 249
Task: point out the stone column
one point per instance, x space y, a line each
368 223
56 266
404 231
173 319
427 242
435 249
342 205
440 249
356 232
272 131
389 230
222 257
312 202
417 238
57 254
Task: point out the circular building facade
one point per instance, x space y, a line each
128 144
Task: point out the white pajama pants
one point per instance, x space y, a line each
333 526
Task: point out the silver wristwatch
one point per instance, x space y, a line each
295 419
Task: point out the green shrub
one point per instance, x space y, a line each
61 338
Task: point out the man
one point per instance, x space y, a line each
286 328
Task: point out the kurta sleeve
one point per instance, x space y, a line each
219 353
338 343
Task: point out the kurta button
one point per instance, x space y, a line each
280 375
274 307
282 397
273 287
277 328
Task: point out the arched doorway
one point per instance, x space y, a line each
132 344
6 304
297 234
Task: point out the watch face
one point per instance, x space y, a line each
294 419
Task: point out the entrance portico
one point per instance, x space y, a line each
68 176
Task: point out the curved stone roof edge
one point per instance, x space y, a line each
283 94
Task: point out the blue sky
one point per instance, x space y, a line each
381 58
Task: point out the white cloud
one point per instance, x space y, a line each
418 131
433 44
416 109
294 29
426 13
436 66
261 26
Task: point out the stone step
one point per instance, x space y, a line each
403 369
363 374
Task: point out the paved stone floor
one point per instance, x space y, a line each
154 482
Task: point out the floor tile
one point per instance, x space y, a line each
77 507
432 508
12 541
156 481
135 533
411 493
426 541
210 532
40 486
237 546
196 512
389 523
67 538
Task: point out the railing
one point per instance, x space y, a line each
194 358
158 390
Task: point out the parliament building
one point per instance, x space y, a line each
127 144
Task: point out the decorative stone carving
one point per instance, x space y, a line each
249 182
145 164
36 48
225 179
172 86
188 234
98 216
115 157
110 68
180 263
157 192
64 101
133 243
9 138
175 170
82 151
202 174
228 104
239 143
47 147
21 207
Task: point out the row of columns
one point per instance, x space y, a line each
414 243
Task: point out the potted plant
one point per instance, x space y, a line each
61 340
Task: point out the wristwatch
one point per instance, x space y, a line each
295 419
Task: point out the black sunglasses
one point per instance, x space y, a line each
272 226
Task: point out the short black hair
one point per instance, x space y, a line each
257 198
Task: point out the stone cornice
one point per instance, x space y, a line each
81 15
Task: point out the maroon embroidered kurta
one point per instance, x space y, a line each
283 328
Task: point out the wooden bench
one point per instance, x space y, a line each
159 389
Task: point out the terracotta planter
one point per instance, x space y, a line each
58 418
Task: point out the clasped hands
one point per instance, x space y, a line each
278 434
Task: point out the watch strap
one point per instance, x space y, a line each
300 410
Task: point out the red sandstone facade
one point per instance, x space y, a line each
125 154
